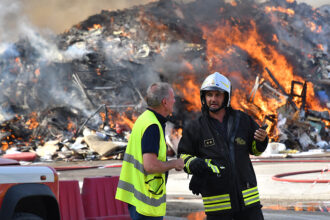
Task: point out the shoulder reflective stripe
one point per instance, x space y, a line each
217 207
251 200
254 149
249 192
140 196
130 159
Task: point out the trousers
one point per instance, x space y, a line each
137 216
253 213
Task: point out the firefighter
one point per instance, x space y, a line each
145 167
215 148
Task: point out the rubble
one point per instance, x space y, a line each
85 89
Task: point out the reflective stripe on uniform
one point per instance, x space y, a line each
187 159
184 156
140 196
254 148
252 199
217 207
130 159
214 168
251 195
216 203
187 164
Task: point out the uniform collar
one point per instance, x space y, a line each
160 118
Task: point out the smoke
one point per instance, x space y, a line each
11 20
59 15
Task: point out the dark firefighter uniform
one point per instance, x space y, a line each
225 147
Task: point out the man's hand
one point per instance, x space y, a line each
179 164
151 164
199 167
196 184
260 135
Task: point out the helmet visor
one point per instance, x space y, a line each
213 88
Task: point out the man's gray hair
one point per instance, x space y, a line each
156 92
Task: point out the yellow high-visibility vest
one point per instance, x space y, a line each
147 192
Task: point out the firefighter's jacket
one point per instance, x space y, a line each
233 186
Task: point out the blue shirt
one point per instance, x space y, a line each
151 136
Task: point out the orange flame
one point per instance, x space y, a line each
233 3
32 122
320 46
98 72
71 126
313 27
4 145
95 26
128 121
190 92
287 11
252 43
196 216
37 72
222 43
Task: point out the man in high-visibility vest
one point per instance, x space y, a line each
142 182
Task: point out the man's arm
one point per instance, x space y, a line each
153 165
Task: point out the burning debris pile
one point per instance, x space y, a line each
78 95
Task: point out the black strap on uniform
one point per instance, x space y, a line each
233 123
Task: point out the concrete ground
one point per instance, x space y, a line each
275 195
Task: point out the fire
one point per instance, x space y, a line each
190 92
275 39
159 30
313 27
320 46
103 117
251 42
37 72
119 121
32 123
71 125
287 11
196 216
128 121
95 26
4 145
18 61
98 71
233 3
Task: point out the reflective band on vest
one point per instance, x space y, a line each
150 201
137 165
147 192
217 203
251 196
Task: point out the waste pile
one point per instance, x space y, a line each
76 96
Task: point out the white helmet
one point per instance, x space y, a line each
216 81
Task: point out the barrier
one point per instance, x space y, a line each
71 207
98 197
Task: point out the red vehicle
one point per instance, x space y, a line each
28 192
